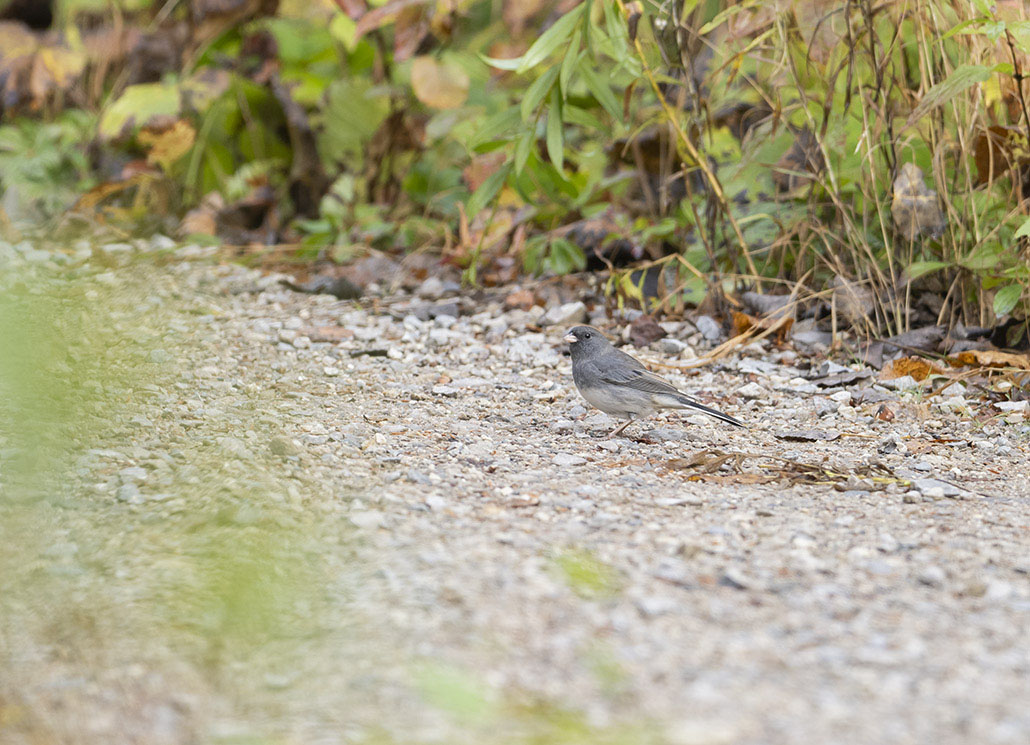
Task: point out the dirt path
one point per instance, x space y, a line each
290 518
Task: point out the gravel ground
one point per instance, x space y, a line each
474 556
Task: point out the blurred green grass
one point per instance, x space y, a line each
225 592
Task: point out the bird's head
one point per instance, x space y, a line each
585 341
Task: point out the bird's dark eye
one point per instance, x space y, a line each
586 336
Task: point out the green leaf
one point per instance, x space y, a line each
353 114
555 133
1006 298
918 268
983 258
960 79
537 92
522 148
600 89
496 125
137 105
568 63
551 39
581 118
487 191
1024 229
344 30
565 257
503 64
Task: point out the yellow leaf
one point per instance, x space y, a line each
168 144
437 84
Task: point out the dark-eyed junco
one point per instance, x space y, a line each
619 385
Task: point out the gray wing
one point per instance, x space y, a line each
621 369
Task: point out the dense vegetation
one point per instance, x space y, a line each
865 156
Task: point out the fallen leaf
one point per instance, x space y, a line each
167 142
780 326
915 208
437 84
524 299
993 358
919 368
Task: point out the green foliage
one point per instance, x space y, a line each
44 165
690 116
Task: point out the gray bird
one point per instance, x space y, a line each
618 385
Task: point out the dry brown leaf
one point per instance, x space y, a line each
524 299
482 167
742 323
167 142
993 358
919 368
439 84
915 208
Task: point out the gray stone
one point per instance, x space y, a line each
709 328
431 287
752 390
563 460
936 488
670 346
129 493
568 314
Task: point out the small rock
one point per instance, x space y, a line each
159 356
655 605
444 390
234 446
904 383
436 503
368 519
431 288
1017 406
665 434
133 474
567 459
129 493
824 406
734 579
671 347
301 342
568 314
936 488
752 390
842 397
709 328
812 338
932 576
892 444
282 446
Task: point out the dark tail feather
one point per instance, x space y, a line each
692 404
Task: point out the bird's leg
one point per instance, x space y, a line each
619 429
